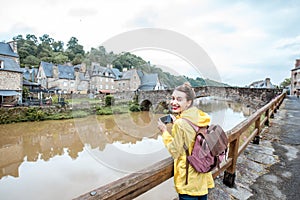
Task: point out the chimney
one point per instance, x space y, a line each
13 46
268 81
297 63
55 71
83 67
109 66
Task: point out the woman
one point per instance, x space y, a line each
184 134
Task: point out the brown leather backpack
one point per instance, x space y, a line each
209 150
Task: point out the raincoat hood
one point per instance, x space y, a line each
196 116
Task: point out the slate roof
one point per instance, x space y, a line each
29 74
5 49
97 69
10 65
296 68
66 72
127 74
48 69
117 73
148 82
261 84
82 76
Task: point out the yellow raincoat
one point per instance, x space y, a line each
183 133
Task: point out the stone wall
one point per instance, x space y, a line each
10 80
252 97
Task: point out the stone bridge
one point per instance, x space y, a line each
252 97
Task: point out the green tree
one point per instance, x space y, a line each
31 61
128 60
74 48
285 83
46 39
59 58
58 46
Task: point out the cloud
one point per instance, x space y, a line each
82 12
288 43
241 37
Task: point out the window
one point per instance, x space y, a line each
106 80
106 87
72 84
1 64
65 83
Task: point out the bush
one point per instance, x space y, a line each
134 108
109 100
54 99
34 114
104 111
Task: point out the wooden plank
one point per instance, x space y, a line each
223 166
249 139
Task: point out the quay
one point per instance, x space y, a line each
269 170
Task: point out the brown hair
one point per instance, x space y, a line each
188 90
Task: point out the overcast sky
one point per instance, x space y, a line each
246 40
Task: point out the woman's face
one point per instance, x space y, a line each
179 102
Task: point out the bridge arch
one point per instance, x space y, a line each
145 105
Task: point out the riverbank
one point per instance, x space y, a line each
66 111
269 170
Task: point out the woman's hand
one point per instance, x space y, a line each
161 126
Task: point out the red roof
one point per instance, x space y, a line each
106 91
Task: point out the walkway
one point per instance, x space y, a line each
269 170
283 180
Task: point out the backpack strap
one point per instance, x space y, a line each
198 130
186 163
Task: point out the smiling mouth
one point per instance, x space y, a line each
175 107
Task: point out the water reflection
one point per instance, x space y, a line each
44 140
86 153
226 113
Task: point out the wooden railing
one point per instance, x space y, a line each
140 182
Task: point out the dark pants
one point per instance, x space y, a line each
188 197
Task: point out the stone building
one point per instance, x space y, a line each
130 81
97 79
295 78
133 80
103 78
262 84
11 75
63 78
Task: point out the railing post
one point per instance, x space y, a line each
257 126
272 115
229 174
275 107
267 122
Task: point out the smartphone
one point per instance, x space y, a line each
166 119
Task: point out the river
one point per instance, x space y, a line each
64 159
